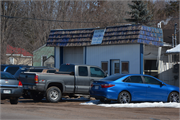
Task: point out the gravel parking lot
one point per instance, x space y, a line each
71 109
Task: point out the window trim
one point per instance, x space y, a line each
99 69
87 71
107 65
12 60
142 78
150 77
128 66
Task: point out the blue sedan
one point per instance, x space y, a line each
126 88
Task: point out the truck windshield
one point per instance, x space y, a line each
66 68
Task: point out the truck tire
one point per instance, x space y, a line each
14 101
53 94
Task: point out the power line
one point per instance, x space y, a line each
11 17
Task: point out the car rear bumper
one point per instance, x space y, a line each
14 92
37 87
108 94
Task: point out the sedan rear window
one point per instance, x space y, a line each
6 76
113 77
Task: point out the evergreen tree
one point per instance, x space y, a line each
139 13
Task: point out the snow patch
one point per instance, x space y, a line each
133 105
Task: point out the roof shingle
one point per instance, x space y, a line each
113 35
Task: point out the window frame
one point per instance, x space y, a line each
106 71
134 82
83 75
152 78
11 59
99 69
122 67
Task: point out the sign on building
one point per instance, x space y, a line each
98 36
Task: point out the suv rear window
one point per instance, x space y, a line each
66 68
12 70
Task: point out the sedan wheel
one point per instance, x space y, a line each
124 97
53 94
173 97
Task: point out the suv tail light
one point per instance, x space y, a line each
20 84
36 79
106 85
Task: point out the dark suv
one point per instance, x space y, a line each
12 68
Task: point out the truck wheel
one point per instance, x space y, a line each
53 94
37 96
14 100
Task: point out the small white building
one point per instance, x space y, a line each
135 49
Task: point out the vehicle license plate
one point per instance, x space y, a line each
96 87
7 91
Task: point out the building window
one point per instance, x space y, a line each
104 66
43 59
11 60
116 67
125 67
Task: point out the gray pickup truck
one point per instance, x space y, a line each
70 80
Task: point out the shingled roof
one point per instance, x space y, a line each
113 35
14 50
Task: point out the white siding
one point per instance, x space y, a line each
73 55
129 52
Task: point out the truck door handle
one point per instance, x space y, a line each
129 85
149 86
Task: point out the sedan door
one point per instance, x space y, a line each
156 91
137 88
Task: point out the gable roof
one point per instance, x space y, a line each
13 50
113 35
39 48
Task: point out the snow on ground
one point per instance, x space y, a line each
132 105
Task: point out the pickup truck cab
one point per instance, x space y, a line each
71 79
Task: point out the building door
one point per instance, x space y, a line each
115 67
150 68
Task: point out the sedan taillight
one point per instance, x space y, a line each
92 85
106 85
20 84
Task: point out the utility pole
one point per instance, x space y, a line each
175 39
